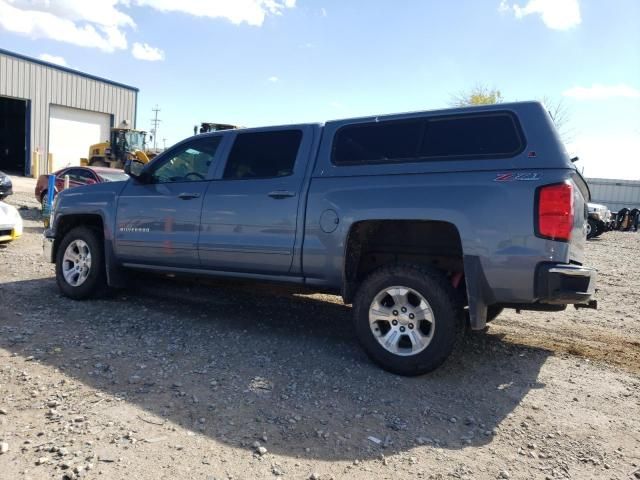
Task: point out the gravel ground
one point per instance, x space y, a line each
219 381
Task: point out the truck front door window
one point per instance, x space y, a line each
188 163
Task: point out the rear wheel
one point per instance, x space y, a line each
80 268
407 318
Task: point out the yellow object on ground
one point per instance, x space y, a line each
10 223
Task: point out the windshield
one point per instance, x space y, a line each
113 176
135 140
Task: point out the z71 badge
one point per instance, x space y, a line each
518 176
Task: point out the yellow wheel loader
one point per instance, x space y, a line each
123 145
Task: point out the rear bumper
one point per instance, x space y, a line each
562 284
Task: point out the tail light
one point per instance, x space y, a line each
555 211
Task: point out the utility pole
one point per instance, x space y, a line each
164 144
155 121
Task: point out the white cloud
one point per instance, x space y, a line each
101 12
273 79
144 51
602 92
608 156
323 12
556 14
252 12
103 24
97 24
53 59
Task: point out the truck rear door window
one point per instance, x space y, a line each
263 155
492 135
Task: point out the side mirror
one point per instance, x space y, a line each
134 168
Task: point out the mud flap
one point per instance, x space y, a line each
116 277
477 292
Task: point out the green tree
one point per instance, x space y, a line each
478 95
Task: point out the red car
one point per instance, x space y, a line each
78 176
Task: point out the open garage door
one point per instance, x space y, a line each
13 137
72 131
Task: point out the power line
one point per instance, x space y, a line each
155 121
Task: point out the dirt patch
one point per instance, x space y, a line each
596 344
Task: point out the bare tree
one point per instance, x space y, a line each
560 115
480 94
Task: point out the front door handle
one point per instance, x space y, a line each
281 194
188 195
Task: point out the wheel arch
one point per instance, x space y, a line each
373 243
66 223
435 243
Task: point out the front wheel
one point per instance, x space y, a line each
407 318
592 228
80 268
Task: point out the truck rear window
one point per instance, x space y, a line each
263 154
489 135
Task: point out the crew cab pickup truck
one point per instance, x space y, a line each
423 221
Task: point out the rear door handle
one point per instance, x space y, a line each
188 195
281 194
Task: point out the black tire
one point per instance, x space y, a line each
447 312
592 229
492 312
95 284
44 200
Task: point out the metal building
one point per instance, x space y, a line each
48 109
615 194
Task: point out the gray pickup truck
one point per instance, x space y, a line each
424 221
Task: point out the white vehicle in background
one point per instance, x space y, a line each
598 220
10 223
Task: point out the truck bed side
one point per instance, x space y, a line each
488 203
